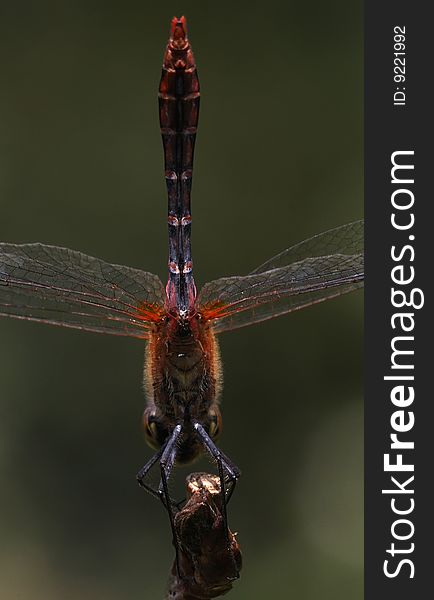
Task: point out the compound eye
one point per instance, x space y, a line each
152 434
215 422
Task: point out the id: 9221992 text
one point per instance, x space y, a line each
399 65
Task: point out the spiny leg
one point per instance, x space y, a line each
223 465
232 471
144 473
231 489
166 465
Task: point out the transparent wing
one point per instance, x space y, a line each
64 287
322 267
346 239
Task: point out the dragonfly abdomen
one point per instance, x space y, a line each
179 113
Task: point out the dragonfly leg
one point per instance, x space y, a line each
228 472
143 475
231 471
166 465
166 458
231 488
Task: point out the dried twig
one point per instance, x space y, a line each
208 564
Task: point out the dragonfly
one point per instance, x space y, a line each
181 325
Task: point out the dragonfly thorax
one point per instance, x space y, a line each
182 382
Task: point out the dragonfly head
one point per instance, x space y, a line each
157 434
190 446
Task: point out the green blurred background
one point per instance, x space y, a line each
278 158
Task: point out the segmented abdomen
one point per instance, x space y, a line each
179 113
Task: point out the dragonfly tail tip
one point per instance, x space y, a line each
179 29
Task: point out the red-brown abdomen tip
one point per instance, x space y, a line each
179 30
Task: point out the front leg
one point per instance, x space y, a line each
166 465
143 477
226 469
144 472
